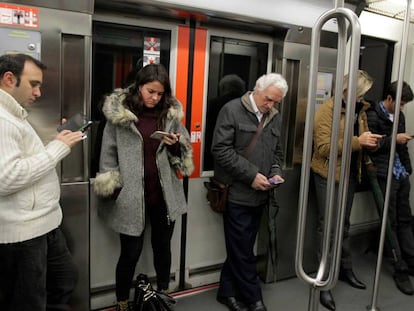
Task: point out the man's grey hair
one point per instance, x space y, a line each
271 79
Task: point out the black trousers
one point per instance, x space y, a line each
239 276
321 191
400 245
37 274
131 248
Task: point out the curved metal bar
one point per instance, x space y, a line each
401 66
328 273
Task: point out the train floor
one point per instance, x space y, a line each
293 295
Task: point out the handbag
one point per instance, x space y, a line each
216 191
216 194
146 298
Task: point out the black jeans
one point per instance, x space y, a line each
401 247
239 276
131 248
37 275
321 191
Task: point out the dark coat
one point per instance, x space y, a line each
379 123
235 127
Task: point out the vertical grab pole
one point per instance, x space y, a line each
401 66
327 275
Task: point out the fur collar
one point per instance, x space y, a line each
118 114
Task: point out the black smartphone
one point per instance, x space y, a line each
275 182
78 122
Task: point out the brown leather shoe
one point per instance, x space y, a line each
232 303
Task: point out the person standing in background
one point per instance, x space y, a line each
380 121
37 272
362 139
250 175
140 173
230 86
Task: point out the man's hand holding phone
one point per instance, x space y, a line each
275 180
69 138
78 122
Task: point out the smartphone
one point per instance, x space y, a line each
275 182
86 126
160 134
78 122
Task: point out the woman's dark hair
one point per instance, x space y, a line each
150 73
15 64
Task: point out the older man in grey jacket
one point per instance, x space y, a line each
248 156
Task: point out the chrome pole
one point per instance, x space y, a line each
327 274
401 66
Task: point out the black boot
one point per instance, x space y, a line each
327 300
347 275
403 282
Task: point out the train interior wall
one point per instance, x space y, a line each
203 249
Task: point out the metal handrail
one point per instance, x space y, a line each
327 273
401 66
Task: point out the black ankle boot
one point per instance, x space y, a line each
347 275
327 300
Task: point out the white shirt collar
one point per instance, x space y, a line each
254 106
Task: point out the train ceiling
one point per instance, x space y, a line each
391 8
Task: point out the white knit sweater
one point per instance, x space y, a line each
29 185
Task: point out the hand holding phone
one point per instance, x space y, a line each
78 122
275 181
160 134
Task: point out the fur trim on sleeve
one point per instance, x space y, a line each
185 164
106 183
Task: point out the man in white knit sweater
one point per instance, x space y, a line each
36 269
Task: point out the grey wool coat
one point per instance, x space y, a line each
121 167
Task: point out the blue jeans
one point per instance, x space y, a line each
37 275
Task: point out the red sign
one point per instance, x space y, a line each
14 15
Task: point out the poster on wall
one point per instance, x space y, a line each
21 16
152 47
323 88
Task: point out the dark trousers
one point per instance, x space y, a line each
36 275
238 275
321 191
401 248
131 248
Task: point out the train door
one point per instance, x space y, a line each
118 52
234 66
197 59
238 59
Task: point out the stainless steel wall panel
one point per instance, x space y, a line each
74 101
75 206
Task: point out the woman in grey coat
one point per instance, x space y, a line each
140 172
